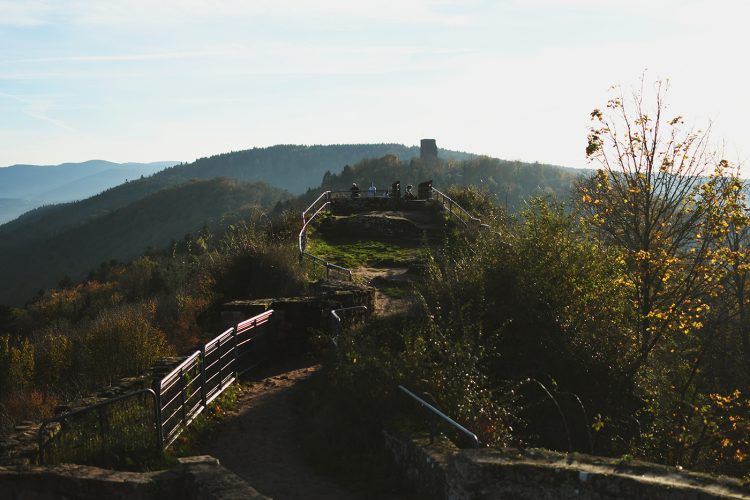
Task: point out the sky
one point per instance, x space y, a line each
139 80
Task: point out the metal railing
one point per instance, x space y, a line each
186 391
321 203
120 424
470 436
177 399
457 211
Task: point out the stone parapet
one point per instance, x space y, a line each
193 478
439 470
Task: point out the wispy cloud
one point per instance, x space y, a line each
156 56
141 12
37 110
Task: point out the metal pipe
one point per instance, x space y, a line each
95 407
472 437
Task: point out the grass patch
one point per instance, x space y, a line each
365 253
396 292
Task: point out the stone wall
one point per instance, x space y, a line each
439 470
193 478
349 206
298 315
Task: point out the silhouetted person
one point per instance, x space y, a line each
355 190
396 190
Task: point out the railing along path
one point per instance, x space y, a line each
319 205
323 203
178 397
457 211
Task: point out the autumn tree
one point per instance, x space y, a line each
652 196
730 254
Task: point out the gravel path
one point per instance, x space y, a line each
257 442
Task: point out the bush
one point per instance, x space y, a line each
120 342
531 301
250 266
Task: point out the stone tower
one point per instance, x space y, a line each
428 149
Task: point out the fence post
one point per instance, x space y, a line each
234 351
203 375
183 398
221 366
156 386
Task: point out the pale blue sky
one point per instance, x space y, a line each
142 80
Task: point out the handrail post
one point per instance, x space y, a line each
234 350
221 364
156 386
183 399
157 421
203 375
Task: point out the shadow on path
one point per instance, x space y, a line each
258 442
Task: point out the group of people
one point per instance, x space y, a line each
372 191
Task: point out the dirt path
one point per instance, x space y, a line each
258 439
384 278
258 442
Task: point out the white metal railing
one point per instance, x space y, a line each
321 203
457 211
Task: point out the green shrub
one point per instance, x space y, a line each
119 342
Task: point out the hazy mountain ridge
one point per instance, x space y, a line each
290 167
30 186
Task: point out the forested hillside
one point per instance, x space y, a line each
80 336
121 233
294 168
507 182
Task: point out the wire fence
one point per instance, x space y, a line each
102 434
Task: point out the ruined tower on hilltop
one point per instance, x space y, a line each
428 150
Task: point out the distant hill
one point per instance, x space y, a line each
124 233
294 168
30 186
10 208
